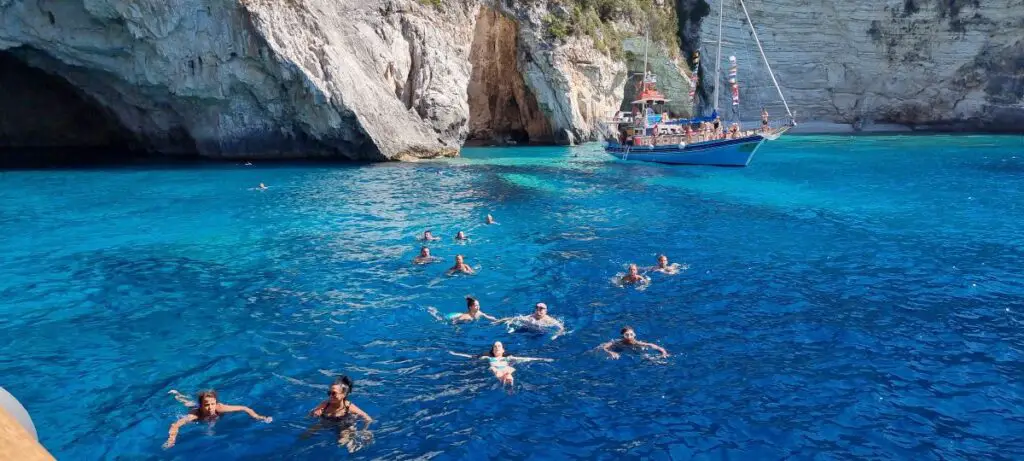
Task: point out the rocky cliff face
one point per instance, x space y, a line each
502 108
372 80
930 64
381 80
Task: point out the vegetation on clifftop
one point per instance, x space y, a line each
607 22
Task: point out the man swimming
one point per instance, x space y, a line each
473 313
500 362
629 341
538 320
263 186
490 219
633 276
461 236
209 409
428 236
664 267
425 257
460 266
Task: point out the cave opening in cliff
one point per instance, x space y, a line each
45 121
502 109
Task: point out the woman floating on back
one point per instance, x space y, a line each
500 363
208 410
337 411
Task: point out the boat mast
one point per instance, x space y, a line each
769 66
718 57
647 41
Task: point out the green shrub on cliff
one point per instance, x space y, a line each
601 20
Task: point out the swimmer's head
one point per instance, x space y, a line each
207 403
628 335
663 260
633 269
540 310
460 236
472 304
424 252
427 234
498 349
459 260
490 218
340 389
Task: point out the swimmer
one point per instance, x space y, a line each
337 410
208 410
472 313
263 186
248 163
461 236
424 257
633 276
537 321
664 267
500 362
460 266
629 341
427 236
490 219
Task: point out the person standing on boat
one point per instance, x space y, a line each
764 120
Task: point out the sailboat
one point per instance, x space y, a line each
648 134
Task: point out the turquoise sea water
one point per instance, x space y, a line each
845 298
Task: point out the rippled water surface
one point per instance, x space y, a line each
845 298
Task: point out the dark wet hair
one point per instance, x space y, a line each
202 395
625 329
470 301
344 381
490 352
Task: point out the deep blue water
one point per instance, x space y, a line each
845 298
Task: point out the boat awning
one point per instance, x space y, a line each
685 121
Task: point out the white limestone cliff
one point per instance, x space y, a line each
925 64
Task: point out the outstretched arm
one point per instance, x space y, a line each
489 317
252 414
656 347
528 359
182 398
607 347
561 329
172 433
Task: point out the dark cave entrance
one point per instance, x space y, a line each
45 121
